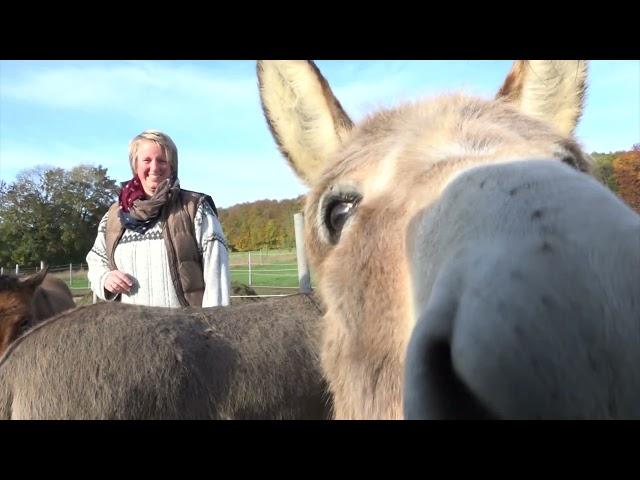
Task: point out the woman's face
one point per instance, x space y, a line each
152 166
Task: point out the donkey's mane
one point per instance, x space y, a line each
9 282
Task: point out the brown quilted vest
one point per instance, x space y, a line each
185 260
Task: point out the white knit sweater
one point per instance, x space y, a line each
144 258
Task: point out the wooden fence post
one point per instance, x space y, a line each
304 278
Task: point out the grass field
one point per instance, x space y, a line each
272 275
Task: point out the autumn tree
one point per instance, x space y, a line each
626 170
603 169
261 224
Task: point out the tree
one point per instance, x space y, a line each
626 170
264 223
603 169
52 214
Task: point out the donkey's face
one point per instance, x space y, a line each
403 217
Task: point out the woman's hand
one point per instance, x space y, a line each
118 282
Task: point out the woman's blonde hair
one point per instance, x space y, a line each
163 140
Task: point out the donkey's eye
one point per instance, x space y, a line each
569 160
337 213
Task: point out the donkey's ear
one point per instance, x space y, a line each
306 120
33 281
551 90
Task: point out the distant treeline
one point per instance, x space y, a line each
620 171
269 223
260 224
52 214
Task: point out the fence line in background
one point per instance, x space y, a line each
261 296
265 272
274 288
253 259
304 277
74 271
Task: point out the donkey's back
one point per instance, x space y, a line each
115 361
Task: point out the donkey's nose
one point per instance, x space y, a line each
500 341
433 389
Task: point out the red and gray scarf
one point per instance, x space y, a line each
138 214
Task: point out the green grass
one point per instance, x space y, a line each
264 251
78 279
264 258
261 276
78 283
281 273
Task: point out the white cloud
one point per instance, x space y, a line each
122 85
212 110
16 158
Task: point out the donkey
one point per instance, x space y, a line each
117 361
469 264
27 301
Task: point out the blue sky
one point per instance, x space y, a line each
64 113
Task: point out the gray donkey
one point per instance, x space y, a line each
470 266
116 361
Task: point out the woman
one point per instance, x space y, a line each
160 245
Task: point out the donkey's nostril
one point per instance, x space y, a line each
442 394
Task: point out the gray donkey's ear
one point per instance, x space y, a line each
551 90
306 120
